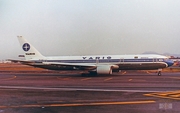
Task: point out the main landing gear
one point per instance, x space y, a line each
159 72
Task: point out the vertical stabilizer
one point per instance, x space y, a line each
30 51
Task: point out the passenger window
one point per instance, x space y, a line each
161 60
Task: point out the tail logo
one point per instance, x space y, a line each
26 47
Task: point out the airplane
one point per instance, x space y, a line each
94 64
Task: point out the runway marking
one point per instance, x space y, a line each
85 79
66 78
148 72
59 78
151 73
170 95
137 80
80 104
108 79
124 73
14 77
72 89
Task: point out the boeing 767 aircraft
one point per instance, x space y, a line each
99 64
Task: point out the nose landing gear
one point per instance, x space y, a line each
159 72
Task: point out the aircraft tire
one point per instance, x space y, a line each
159 73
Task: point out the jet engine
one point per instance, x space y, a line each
104 69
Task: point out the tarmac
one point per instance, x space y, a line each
40 91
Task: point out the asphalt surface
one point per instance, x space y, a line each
125 92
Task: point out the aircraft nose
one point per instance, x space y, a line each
169 62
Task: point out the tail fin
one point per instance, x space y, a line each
30 51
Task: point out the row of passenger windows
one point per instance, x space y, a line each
160 60
111 60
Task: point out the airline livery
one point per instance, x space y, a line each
96 64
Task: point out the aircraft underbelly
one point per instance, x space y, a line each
54 67
124 66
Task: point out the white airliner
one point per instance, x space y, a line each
99 64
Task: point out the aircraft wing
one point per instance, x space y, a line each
58 64
81 66
75 65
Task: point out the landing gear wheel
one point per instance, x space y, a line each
159 73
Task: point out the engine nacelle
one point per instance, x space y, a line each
104 70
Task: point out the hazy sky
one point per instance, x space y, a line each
88 27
